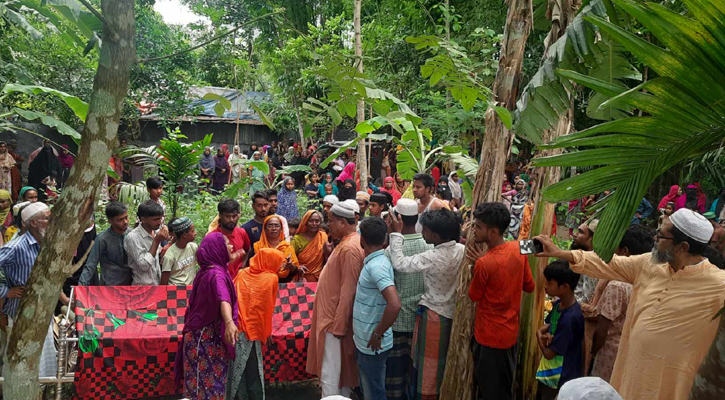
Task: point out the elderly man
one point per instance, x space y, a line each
583 240
16 262
327 203
669 325
331 354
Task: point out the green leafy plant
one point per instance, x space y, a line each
684 108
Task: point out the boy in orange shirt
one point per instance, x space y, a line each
499 277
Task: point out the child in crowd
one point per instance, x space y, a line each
155 187
293 224
666 212
179 263
560 339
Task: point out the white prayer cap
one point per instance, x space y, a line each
593 224
589 388
346 209
362 195
692 224
30 211
331 198
17 207
407 207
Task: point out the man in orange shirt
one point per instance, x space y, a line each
499 277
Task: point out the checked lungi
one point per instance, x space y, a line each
399 367
430 348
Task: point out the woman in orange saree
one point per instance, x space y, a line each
310 244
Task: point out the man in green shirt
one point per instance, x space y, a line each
410 288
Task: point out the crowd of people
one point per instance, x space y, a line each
386 260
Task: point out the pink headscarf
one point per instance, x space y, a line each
670 197
347 173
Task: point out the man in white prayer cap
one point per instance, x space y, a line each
331 352
327 203
669 325
589 388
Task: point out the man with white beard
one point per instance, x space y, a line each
670 322
16 261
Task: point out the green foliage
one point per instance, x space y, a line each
79 107
584 49
683 108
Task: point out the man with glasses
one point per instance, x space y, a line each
669 325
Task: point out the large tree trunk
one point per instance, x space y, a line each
458 379
75 206
710 379
362 160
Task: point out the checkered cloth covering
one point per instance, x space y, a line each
129 336
286 358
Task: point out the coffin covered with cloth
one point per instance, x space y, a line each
128 337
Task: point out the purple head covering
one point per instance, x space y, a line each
212 286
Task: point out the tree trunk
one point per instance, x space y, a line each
76 204
362 160
710 379
458 379
532 305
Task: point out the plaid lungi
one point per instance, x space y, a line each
399 367
430 348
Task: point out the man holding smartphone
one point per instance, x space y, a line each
500 275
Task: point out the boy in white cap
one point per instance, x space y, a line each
669 325
331 353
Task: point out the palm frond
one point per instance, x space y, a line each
686 107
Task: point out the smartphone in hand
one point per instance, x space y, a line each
530 246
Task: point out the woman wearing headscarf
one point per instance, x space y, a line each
389 187
7 163
701 198
252 149
45 165
225 149
66 159
310 244
347 173
221 172
518 202
327 178
455 187
210 324
287 200
273 238
436 174
235 163
257 175
670 197
689 200
256 289
347 191
401 184
717 205
206 165
6 217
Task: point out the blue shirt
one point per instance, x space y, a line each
568 341
376 275
16 261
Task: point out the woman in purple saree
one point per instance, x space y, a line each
210 324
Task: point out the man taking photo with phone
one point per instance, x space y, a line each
500 275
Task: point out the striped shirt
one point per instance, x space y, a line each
16 261
376 276
409 285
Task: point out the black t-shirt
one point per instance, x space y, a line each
254 231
